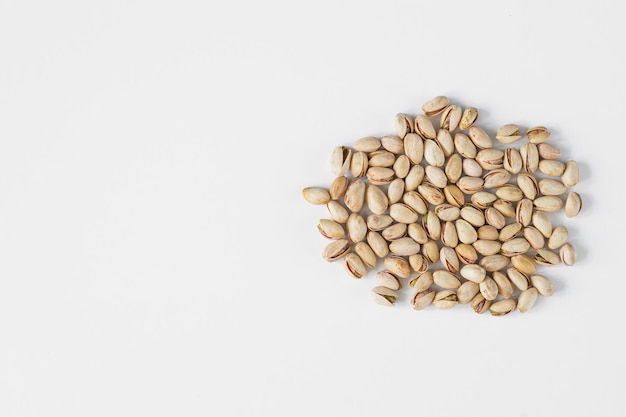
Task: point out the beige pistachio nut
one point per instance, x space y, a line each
366 254
551 187
494 218
449 235
573 204
466 253
449 259
496 178
454 167
404 246
422 282
380 175
543 223
465 231
414 177
359 164
376 199
445 299
487 247
447 212
502 307
425 127
337 211
480 138
509 192
435 106
431 251
432 225
464 146
469 117
388 280
547 151
355 196
558 237
402 213
384 296
528 184
378 222
368 144
470 185
474 273
395 231
527 300
354 265
534 237
398 266
524 263
543 285
524 209
336 250
401 166
436 176
552 168
510 231
404 125
490 159
538 134
338 187
417 233
433 154
483 199
488 288
472 215
530 157
431 193
356 227
493 263
466 292
340 160
451 117
547 258
393 144
378 244
445 142
422 299
414 147
488 232
548 203
395 190
471 168
480 304
446 279
453 195
331 229
316 195
568 254
381 158
418 263
505 287
508 134
517 246
512 160
505 207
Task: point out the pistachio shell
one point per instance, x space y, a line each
337 211
398 266
395 190
483 199
466 292
316 195
376 199
340 160
480 138
433 153
538 134
451 117
547 151
355 196
366 254
378 244
573 204
502 307
422 299
505 207
469 117
446 279
403 213
570 175
393 144
377 222
368 144
414 177
414 147
464 146
404 125
505 287
331 229
404 246
424 127
384 296
336 250
527 300
543 285
472 215
354 265
488 288
454 167
445 299
388 280
356 227
510 231
380 175
435 106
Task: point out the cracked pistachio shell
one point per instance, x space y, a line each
414 147
480 138
393 144
316 195
568 254
446 279
431 251
445 142
331 229
414 200
401 166
336 250
422 282
418 263
551 168
483 199
449 259
488 232
464 145
338 187
470 185
524 210
530 157
445 299
528 184
358 166
466 292
509 192
505 287
494 218
378 244
417 233
487 247
496 178
422 299
471 168
512 160
378 222
538 134
398 266
524 264
548 204
493 263
405 246
449 236
466 253
376 199
368 144
403 213
573 204
543 285
425 127
366 254
356 227
480 304
436 176
395 190
510 231
340 160
515 246
380 175
474 273
547 258
551 187
384 296
447 212
433 154
472 215
354 265
414 178
502 307
435 106
490 158
505 207
527 300
547 151
534 237
381 158
508 134
465 231
543 223
451 117
355 196
432 225
388 280
469 117
570 175
454 168
395 231
337 211
404 124
431 193
488 288
453 195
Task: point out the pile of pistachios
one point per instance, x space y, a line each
462 221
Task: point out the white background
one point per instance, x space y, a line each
156 255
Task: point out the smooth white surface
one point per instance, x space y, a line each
158 258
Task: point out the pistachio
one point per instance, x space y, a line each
433 154
488 232
470 185
568 254
517 246
418 263
331 229
336 250
449 259
524 209
355 196
417 233
528 184
508 134
358 166
524 264
377 222
505 287
490 158
466 253
465 231
401 166
538 134
548 204
505 207
403 213
404 246
376 199
558 237
316 195
395 190
338 187
496 178
398 266
469 117
534 237
466 292
424 127
447 212
471 168
356 227
543 285
487 247
445 299
479 137
472 215
368 144
354 265
395 231
509 192
494 218
388 280
366 254
446 279
337 211
518 278
449 236
527 300
530 157
547 151
547 258
543 223
393 144
431 193
381 158
436 176
422 282
435 106
404 125
414 147
431 251
480 304
384 296
380 175
445 142
422 299
474 273
512 160
464 145
340 160
483 199
493 263
454 167
432 225
454 195
451 117
502 307
551 187
488 288
414 178
378 244
573 204
510 231
551 167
